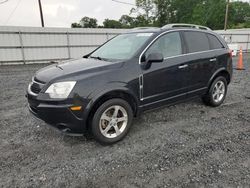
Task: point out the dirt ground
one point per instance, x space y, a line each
186 145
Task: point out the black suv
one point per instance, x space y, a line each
133 72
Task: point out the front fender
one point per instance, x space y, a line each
111 87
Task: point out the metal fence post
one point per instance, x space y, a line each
68 44
21 45
248 37
107 36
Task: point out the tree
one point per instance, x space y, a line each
184 9
145 10
127 21
75 25
210 13
165 12
240 14
141 21
87 22
111 24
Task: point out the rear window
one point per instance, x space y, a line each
214 42
196 41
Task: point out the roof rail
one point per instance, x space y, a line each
185 25
140 28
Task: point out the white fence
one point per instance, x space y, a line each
40 45
238 37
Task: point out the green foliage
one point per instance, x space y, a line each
111 24
164 12
87 22
240 14
209 13
75 25
127 21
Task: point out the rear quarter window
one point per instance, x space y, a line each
214 42
196 41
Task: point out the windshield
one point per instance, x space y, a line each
121 47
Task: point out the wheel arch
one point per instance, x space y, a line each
116 93
221 72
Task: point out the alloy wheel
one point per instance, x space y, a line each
113 121
218 91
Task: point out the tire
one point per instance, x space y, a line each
111 121
215 97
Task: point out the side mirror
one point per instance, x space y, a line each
155 58
152 58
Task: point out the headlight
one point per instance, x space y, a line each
60 90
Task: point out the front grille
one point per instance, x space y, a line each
36 86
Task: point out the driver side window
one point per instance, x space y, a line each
168 45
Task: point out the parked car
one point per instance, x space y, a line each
137 71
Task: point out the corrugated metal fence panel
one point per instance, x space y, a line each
10 55
86 39
33 44
79 52
32 54
9 40
241 37
42 40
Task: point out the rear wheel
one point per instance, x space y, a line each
112 121
216 93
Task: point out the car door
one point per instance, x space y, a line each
164 82
201 61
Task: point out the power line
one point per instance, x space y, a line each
5 1
12 12
117 1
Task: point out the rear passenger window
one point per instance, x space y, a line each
214 42
196 41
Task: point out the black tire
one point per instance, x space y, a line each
95 128
208 99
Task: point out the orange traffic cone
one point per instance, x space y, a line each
240 61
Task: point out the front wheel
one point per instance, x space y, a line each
217 92
111 121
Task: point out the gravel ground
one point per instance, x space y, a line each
186 145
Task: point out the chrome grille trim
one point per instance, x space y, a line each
39 83
37 87
31 92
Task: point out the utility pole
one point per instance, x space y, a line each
41 12
226 16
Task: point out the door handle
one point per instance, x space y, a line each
213 59
183 66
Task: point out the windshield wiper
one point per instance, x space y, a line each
99 58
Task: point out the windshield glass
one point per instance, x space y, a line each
121 47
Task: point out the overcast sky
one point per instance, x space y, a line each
59 13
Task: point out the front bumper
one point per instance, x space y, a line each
59 116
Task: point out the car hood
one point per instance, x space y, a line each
73 67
